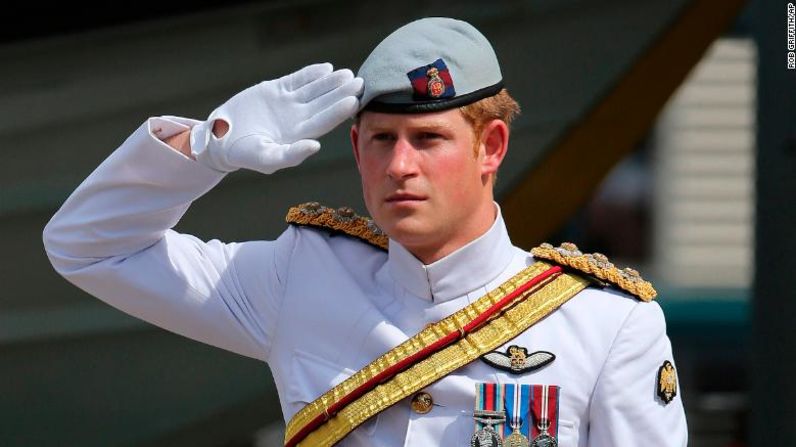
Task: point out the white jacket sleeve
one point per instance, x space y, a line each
625 407
112 238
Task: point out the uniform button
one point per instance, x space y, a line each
422 403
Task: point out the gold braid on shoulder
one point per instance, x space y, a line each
598 266
343 220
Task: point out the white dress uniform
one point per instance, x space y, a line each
317 306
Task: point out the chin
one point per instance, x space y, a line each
406 230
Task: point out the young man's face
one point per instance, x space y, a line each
422 181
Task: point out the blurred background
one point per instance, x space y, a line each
662 133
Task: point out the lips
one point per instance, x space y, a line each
404 197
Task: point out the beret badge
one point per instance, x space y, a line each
432 81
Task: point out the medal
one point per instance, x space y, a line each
544 439
487 436
545 411
515 415
517 407
488 413
516 439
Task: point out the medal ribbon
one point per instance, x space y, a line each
544 401
489 397
518 399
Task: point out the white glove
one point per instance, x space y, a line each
274 124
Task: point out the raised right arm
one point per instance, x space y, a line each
113 236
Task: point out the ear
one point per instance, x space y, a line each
355 143
495 142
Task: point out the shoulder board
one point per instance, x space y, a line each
342 220
597 266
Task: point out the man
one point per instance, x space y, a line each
510 349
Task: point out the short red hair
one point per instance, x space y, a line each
501 106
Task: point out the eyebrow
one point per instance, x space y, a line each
426 127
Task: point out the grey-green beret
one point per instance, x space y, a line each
427 65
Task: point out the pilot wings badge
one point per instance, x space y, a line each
516 360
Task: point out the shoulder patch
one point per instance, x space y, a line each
343 220
598 266
667 382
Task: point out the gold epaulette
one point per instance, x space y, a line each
598 266
343 220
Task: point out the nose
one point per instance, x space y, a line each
403 163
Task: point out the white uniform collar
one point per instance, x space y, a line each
466 269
